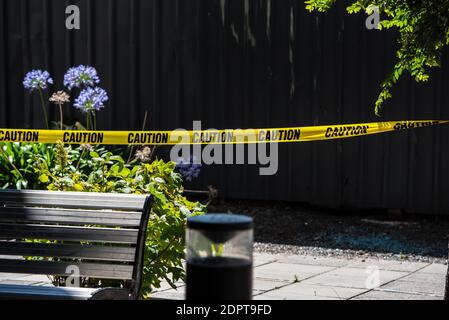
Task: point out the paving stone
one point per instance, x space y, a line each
389 265
314 291
352 277
315 261
275 295
386 295
426 277
436 289
435 268
267 284
261 259
321 278
171 294
257 292
288 271
421 283
168 295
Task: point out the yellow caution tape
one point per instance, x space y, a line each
228 136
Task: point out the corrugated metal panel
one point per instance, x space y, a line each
238 64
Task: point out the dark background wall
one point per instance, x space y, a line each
239 64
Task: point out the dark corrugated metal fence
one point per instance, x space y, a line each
239 64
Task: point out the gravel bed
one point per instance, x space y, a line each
283 228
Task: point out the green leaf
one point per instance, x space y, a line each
43 178
423 34
117 158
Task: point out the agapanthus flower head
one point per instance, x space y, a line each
81 76
60 98
37 80
91 99
189 169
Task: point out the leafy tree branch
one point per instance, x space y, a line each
423 27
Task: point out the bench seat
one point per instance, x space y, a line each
100 235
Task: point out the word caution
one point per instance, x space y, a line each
228 136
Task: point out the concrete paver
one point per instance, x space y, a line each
420 283
389 265
354 277
299 277
274 295
435 268
302 289
289 271
314 261
387 295
269 284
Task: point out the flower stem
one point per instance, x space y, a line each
131 150
87 121
79 160
43 107
61 115
94 121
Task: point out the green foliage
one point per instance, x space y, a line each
423 33
16 164
18 160
105 172
96 169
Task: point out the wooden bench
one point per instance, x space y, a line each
100 234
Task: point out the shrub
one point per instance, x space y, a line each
106 172
16 164
96 169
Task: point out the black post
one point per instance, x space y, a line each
446 291
219 257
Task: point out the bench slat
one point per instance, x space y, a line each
71 217
76 200
48 232
102 235
93 270
12 291
93 252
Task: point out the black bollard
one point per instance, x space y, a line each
219 257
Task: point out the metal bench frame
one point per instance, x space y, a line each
102 234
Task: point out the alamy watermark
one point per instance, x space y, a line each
373 20
73 20
266 155
73 280
373 279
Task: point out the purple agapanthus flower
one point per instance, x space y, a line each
91 99
37 80
189 169
81 76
